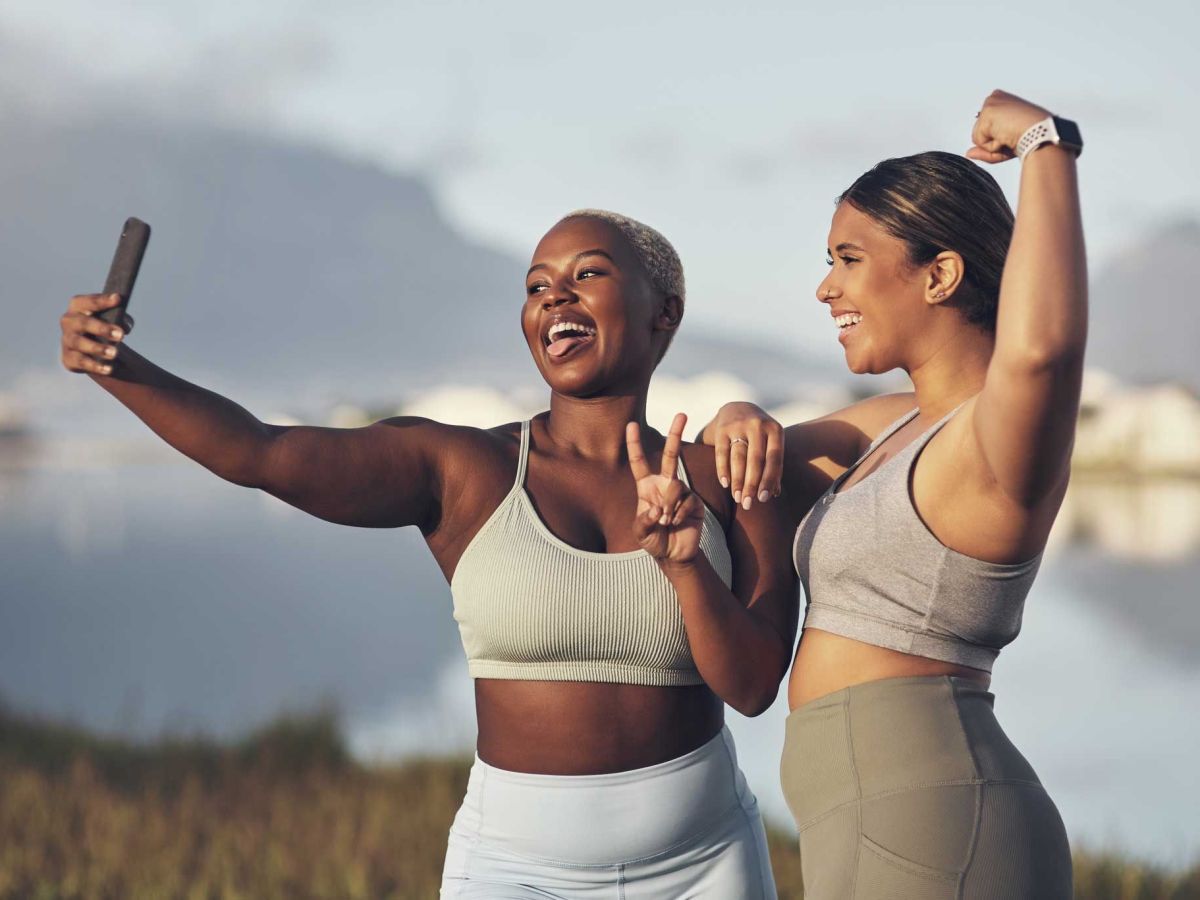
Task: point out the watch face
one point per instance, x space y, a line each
1068 132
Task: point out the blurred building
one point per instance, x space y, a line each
13 420
1138 429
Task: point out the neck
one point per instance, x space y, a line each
953 372
594 427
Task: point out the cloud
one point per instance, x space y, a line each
233 78
659 151
1110 111
871 136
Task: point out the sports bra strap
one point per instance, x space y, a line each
523 455
681 471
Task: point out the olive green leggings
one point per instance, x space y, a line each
908 789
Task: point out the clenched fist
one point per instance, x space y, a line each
89 344
1002 120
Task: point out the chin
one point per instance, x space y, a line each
863 362
858 365
576 383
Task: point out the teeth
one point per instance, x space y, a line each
848 319
560 327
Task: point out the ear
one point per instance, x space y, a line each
670 314
945 274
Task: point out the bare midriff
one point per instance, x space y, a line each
827 662
589 728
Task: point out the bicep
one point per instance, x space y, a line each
1023 422
382 475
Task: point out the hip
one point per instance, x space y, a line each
606 819
910 784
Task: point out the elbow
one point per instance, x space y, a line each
755 699
755 704
1043 356
262 461
756 707
236 472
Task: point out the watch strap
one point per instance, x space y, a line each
1044 132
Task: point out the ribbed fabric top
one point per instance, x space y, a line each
529 606
873 571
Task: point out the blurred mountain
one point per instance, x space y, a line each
274 267
269 261
1145 308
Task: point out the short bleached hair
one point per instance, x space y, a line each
653 251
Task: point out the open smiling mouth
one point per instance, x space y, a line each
565 338
847 323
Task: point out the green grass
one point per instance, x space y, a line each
283 813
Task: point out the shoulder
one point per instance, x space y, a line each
869 416
844 434
458 452
819 450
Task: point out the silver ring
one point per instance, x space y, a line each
738 440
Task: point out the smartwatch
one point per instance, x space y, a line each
1051 130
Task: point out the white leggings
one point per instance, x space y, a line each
688 827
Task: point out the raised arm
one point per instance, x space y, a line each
741 638
1024 418
382 475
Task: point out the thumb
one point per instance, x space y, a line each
989 156
645 522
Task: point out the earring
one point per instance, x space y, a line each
940 294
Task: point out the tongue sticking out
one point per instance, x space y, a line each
562 345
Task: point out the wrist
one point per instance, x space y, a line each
1049 131
676 568
1028 118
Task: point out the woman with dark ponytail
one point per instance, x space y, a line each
923 517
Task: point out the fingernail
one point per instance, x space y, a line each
746 502
116 334
110 352
663 520
763 496
106 370
724 482
737 496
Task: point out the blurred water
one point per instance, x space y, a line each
153 596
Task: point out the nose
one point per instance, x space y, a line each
827 291
559 294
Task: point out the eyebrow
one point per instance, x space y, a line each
846 245
596 251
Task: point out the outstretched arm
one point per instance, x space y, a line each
1024 418
741 638
383 475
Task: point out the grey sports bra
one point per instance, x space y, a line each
530 606
874 572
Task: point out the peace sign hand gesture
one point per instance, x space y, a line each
669 516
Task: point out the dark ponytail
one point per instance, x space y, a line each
938 201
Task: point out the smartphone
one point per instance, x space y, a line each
124 269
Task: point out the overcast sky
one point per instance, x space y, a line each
729 126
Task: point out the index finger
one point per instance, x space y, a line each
670 455
637 459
